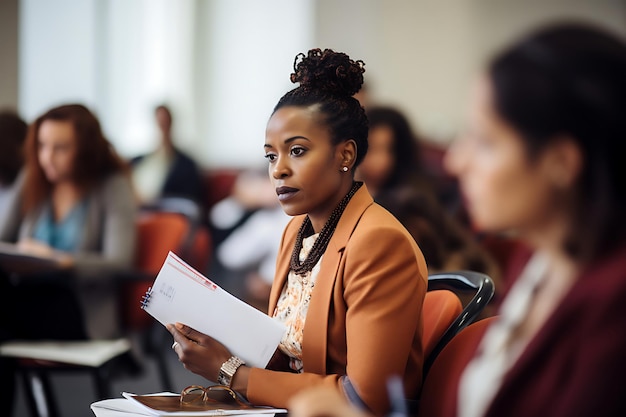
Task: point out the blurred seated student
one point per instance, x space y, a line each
352 307
398 181
246 229
250 249
167 171
75 205
543 155
251 191
12 136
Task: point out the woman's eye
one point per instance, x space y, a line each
270 157
297 151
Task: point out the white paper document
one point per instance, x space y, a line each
117 407
182 294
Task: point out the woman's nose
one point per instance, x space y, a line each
280 170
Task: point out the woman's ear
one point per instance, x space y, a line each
347 153
565 161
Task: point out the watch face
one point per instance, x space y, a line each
222 380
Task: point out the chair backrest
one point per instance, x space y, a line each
219 184
441 308
479 284
440 388
158 233
200 250
196 248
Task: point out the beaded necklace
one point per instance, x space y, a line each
319 247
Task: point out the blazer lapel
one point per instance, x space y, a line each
315 341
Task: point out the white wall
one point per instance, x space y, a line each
58 54
223 64
421 55
245 51
148 52
220 64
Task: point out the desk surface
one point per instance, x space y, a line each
14 260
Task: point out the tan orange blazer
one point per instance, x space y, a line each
365 314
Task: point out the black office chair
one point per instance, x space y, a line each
460 282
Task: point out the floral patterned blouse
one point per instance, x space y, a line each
293 305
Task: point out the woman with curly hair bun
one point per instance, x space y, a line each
350 279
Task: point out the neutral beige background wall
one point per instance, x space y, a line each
234 57
422 54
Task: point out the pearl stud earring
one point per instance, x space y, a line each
344 169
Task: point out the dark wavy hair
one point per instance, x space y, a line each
95 156
329 80
406 145
570 79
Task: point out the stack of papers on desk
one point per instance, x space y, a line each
132 406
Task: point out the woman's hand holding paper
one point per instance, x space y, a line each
199 353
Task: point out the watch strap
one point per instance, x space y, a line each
228 369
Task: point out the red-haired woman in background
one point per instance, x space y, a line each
75 204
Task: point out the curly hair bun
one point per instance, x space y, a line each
328 71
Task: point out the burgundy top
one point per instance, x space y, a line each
576 364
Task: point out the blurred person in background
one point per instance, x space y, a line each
543 156
394 172
249 250
167 171
12 136
251 191
75 206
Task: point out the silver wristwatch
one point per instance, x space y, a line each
228 369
